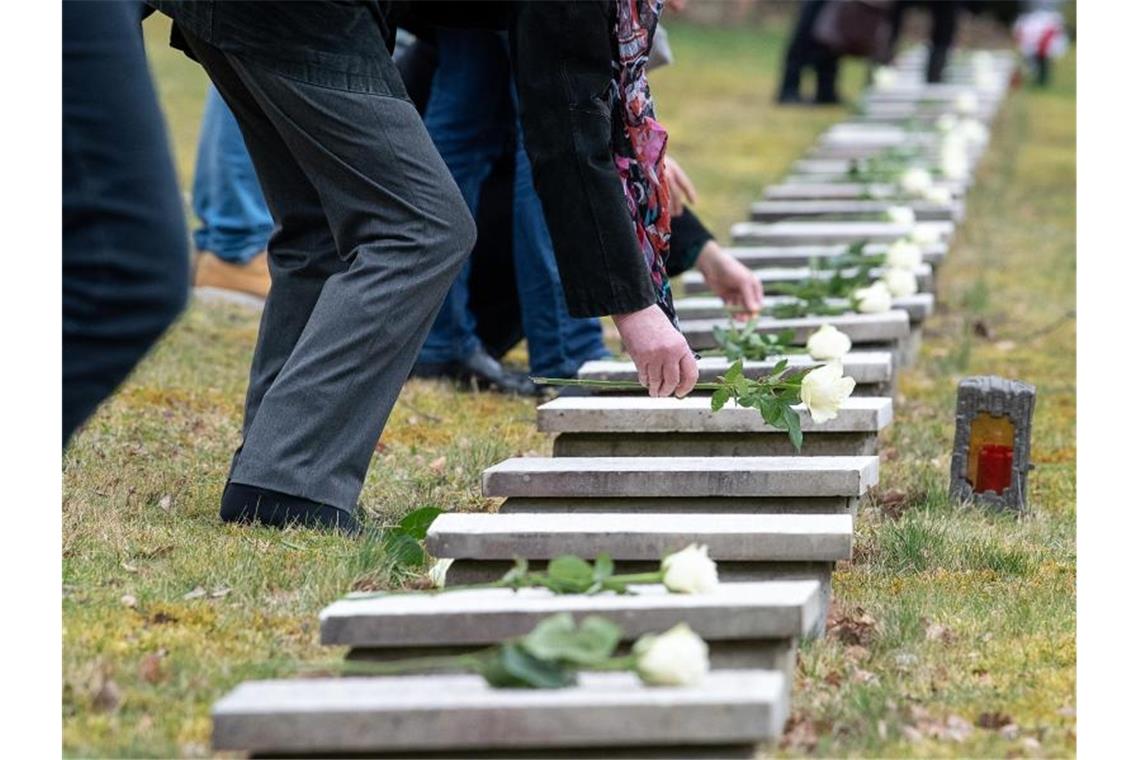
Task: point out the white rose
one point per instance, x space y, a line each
904 254
955 159
987 80
939 194
925 234
874 299
828 343
437 574
677 657
885 77
824 390
900 215
915 181
966 104
972 132
901 282
690 571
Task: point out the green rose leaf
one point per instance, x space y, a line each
569 574
417 522
514 667
556 638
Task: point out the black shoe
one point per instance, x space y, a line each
247 504
481 369
829 100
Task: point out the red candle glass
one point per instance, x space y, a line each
995 468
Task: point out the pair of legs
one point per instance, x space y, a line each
125 264
234 223
803 51
943 28
473 118
370 232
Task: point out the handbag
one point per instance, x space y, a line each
854 27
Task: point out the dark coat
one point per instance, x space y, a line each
562 52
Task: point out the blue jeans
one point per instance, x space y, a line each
473 117
235 223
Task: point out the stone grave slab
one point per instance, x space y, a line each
746 547
642 536
824 233
918 307
644 426
694 281
784 256
648 477
815 189
871 370
692 505
887 329
604 714
747 625
771 211
480 617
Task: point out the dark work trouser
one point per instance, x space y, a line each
125 259
371 231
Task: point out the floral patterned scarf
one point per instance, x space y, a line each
639 146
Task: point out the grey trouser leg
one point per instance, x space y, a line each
371 232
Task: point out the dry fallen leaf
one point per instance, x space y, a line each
799 734
856 653
437 465
218 593
165 503
864 676
107 696
856 628
197 593
150 668
939 632
1010 732
128 600
128 567
993 720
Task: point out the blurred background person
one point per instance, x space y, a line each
1041 36
805 51
125 262
943 29
234 222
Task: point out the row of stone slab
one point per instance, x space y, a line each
636 478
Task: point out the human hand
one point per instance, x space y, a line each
681 189
732 281
664 361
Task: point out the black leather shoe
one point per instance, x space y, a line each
247 504
481 369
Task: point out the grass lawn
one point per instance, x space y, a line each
946 619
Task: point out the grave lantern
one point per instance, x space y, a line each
993 422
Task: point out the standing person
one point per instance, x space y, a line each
473 120
803 51
125 263
371 229
234 224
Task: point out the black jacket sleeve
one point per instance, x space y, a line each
688 237
562 53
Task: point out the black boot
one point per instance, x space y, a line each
247 504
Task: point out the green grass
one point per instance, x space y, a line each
963 612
